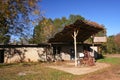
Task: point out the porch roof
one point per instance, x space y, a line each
85 30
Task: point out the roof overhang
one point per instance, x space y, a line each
85 30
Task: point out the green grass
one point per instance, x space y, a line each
111 60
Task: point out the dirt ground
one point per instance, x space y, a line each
101 71
111 73
80 69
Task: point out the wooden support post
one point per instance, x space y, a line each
93 48
93 43
75 46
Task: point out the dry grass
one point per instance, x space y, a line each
39 71
31 71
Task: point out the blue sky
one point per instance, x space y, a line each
106 12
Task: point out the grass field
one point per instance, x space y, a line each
39 71
111 60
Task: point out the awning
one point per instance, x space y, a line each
85 30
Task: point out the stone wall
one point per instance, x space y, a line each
36 54
24 54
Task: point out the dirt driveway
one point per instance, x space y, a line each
80 70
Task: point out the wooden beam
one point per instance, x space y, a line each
75 46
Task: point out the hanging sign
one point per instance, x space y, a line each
100 39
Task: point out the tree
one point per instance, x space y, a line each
117 39
57 23
72 18
43 31
16 14
37 35
111 46
4 38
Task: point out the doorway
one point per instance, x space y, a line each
2 56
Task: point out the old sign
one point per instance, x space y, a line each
100 39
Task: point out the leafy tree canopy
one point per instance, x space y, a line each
117 39
16 14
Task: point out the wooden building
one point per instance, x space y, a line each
75 34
